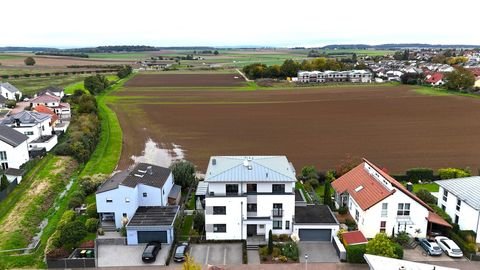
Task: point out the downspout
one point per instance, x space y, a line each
241 221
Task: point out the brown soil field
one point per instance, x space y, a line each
185 80
393 127
56 61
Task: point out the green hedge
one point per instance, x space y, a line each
398 250
355 253
467 248
424 174
451 173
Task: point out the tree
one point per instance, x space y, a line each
124 71
412 78
96 84
270 242
354 58
183 173
289 68
426 196
72 233
327 193
29 61
381 245
190 264
4 183
460 79
309 172
198 221
215 52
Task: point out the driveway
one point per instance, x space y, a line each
123 255
317 252
217 254
418 254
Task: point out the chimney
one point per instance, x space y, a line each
149 170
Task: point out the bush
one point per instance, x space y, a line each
10 103
439 211
283 237
75 201
451 173
381 245
276 252
314 183
67 217
183 173
198 221
309 172
398 250
92 210
290 250
426 196
351 224
355 253
467 248
342 210
402 238
468 235
124 72
123 231
72 233
91 224
89 184
283 259
263 251
29 61
424 174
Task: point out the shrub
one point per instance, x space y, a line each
290 250
351 224
198 221
10 103
264 258
450 173
29 61
270 242
465 247
426 196
91 224
72 233
263 251
183 173
439 211
123 231
398 250
402 238
283 237
276 252
75 202
314 183
342 210
307 186
89 184
309 172
283 259
57 253
92 210
67 217
355 253
424 174
381 245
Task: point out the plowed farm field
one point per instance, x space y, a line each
392 126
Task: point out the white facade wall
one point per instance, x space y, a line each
36 130
16 156
468 217
48 104
9 95
235 210
123 201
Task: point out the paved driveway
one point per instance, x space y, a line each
123 255
418 254
217 254
317 252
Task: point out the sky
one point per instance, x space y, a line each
88 23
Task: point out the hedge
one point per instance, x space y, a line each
416 174
451 173
398 250
355 253
467 248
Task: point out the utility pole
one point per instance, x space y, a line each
306 261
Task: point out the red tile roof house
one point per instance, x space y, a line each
380 203
435 79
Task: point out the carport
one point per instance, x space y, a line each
152 224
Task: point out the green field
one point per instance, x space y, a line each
29 86
9 56
70 89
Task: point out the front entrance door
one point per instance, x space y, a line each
251 229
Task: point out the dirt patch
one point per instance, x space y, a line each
38 189
392 126
185 80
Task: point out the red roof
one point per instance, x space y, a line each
354 238
45 109
435 77
434 218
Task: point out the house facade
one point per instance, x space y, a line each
379 203
460 199
354 76
249 196
52 90
9 91
13 148
120 196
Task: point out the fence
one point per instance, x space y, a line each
4 193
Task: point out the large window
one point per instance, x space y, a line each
3 155
277 224
277 210
4 166
251 207
231 189
219 228
459 204
384 209
219 210
445 195
456 219
357 215
403 209
278 188
252 188
383 225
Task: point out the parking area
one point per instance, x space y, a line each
320 251
418 254
217 254
123 255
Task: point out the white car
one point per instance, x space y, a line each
449 247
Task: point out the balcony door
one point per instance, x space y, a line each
277 210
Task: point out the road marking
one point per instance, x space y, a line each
224 256
206 257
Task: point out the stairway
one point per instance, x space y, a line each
109 227
252 247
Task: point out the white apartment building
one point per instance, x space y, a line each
13 148
354 76
9 91
248 196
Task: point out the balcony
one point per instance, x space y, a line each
277 212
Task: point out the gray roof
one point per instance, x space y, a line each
250 169
9 87
154 216
25 117
52 89
141 174
11 136
2 99
202 188
314 214
176 189
15 172
466 189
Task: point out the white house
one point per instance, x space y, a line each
379 203
52 100
145 186
355 76
461 200
13 148
9 91
52 90
46 99
249 196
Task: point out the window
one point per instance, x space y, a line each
459 203
251 207
403 209
3 155
443 207
127 200
278 188
219 228
232 189
251 187
163 192
277 224
456 219
261 226
4 165
384 209
277 210
287 225
219 210
43 128
383 225
109 200
357 215
28 133
144 194
445 195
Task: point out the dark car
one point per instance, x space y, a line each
180 252
430 247
150 252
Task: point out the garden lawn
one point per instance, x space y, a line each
299 186
432 187
186 227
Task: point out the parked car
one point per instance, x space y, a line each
180 252
150 252
431 247
449 247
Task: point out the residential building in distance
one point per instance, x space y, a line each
53 101
460 199
354 76
52 90
13 148
379 203
9 91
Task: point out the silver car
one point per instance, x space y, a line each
431 247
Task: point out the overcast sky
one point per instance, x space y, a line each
70 23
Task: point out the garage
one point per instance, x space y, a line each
315 234
145 237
